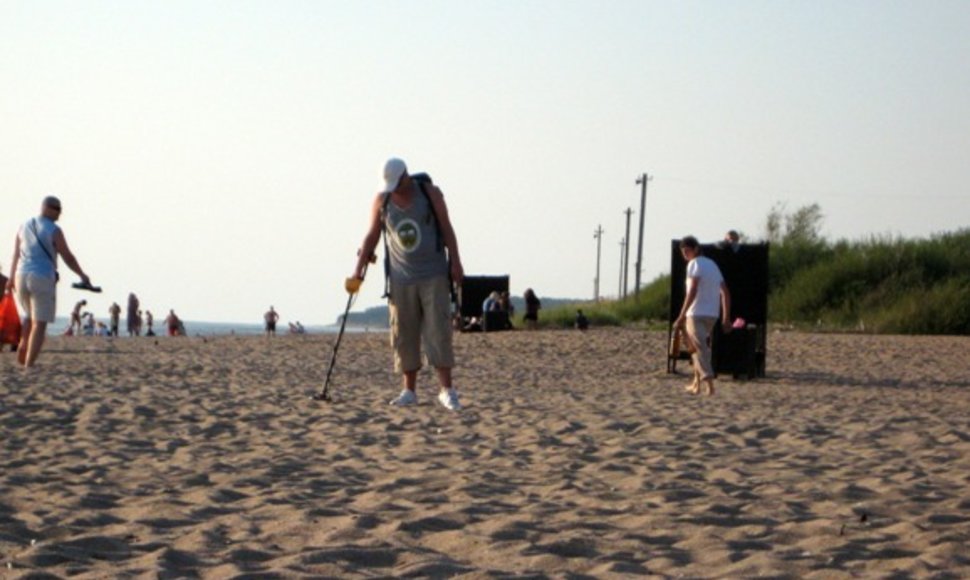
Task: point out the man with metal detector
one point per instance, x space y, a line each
421 265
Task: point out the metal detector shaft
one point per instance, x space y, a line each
325 394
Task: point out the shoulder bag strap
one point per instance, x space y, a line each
33 225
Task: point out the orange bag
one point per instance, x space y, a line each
9 320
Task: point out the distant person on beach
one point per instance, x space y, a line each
532 306
582 323
491 303
3 284
88 323
133 314
34 276
115 312
732 240
149 322
707 295
75 325
13 345
505 305
173 323
420 287
270 318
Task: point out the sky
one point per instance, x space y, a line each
219 157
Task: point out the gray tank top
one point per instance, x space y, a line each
412 241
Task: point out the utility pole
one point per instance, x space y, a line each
619 293
598 234
626 253
642 182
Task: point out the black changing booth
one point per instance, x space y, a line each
745 269
474 291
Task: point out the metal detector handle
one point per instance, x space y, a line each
352 284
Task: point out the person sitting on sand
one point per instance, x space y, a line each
88 324
699 313
491 303
582 323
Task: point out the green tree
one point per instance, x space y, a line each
796 240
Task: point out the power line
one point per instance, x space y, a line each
774 190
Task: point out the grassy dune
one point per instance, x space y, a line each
880 285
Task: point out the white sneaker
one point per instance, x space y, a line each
407 397
449 399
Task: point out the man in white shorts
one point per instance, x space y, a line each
34 278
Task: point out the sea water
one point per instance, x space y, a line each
201 328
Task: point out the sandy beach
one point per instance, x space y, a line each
576 456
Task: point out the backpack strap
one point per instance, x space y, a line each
424 180
385 224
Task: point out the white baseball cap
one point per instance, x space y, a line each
393 170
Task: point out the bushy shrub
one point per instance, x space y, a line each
883 285
941 309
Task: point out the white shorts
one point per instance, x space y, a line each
37 296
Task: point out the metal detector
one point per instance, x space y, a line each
324 395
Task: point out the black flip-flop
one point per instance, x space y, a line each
86 286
